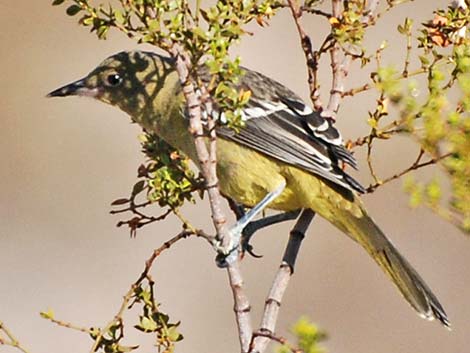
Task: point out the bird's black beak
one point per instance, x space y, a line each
76 88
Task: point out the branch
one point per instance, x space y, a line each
338 69
369 13
207 162
278 339
11 340
130 293
417 164
281 281
310 57
50 316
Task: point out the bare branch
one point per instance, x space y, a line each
278 339
207 162
145 274
338 69
369 13
417 164
10 340
310 56
281 280
67 324
241 306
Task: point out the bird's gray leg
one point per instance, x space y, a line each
254 226
235 231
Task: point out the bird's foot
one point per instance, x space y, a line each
230 252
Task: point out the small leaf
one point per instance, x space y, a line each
147 325
126 349
118 15
57 2
138 187
120 202
49 314
73 10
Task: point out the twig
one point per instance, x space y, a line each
369 158
278 339
66 324
207 162
417 164
354 91
408 52
281 280
130 293
241 306
310 57
339 70
11 340
368 15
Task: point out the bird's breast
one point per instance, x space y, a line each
248 176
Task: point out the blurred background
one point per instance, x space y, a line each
64 160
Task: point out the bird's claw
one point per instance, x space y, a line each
247 247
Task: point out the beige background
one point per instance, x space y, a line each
64 161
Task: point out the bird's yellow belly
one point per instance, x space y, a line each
247 177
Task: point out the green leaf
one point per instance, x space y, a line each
57 2
73 10
148 324
49 314
118 15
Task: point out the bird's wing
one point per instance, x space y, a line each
280 125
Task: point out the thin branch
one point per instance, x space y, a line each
338 69
11 340
241 305
354 91
369 12
66 324
207 162
130 293
310 57
278 339
417 164
281 280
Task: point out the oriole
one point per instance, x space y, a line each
283 142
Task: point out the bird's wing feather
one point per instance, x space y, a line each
280 125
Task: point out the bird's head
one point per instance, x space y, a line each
128 80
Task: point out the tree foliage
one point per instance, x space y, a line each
433 114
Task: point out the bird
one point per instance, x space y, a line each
285 153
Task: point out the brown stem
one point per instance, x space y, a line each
271 337
67 324
310 57
12 340
281 281
338 69
417 164
207 162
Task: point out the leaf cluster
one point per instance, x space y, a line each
308 338
206 34
439 124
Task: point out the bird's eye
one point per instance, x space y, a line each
114 79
